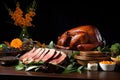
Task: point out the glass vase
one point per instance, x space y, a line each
24 33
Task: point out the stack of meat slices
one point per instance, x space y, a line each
48 56
90 56
43 54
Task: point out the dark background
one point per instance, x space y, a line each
52 19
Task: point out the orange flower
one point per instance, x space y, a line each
16 43
23 19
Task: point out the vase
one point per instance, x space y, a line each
24 33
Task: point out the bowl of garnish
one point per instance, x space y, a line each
107 65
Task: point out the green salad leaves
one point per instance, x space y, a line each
113 49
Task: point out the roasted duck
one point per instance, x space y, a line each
85 37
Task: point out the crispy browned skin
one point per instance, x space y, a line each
85 37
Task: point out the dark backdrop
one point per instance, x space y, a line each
52 19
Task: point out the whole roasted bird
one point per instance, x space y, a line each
86 37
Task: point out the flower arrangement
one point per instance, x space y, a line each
23 19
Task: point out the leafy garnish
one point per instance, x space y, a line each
3 45
81 69
20 66
70 68
71 56
115 48
28 67
73 67
36 63
103 49
31 68
51 45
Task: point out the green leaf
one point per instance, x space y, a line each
70 68
36 63
80 69
3 45
71 56
51 44
103 49
115 48
31 67
99 48
20 66
37 69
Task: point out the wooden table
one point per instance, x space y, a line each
10 73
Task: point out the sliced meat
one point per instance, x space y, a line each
57 54
27 53
49 55
34 54
39 54
58 60
42 55
30 58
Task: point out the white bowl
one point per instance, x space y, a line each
107 67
